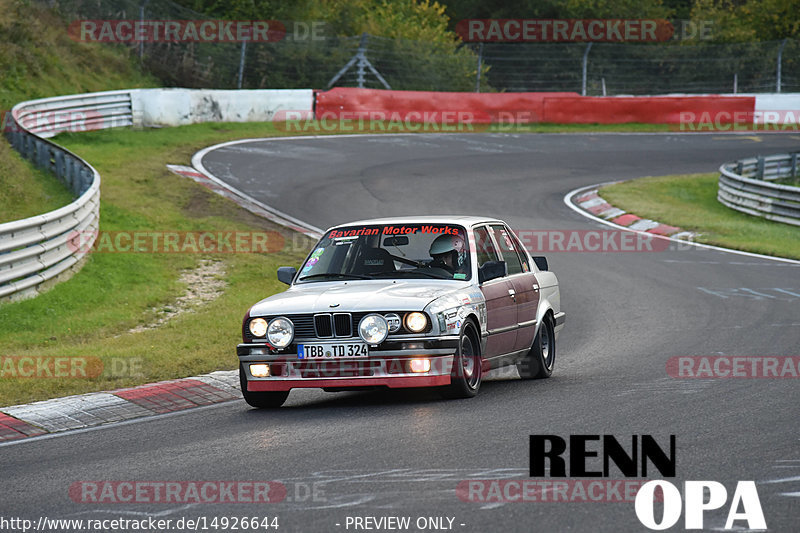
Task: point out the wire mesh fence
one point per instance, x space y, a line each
376 62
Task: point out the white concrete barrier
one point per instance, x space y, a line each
179 107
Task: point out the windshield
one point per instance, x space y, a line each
434 251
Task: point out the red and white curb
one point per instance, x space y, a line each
592 202
98 408
583 199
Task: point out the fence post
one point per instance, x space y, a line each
241 64
141 21
362 63
585 61
362 47
794 165
780 57
735 82
760 168
480 65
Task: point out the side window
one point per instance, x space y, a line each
526 267
506 244
484 247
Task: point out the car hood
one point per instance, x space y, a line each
356 296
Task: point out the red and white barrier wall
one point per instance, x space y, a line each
560 108
417 106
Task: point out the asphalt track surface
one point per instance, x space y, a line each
403 453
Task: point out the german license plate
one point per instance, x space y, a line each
339 350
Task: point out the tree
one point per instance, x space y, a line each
749 20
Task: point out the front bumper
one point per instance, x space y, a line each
386 366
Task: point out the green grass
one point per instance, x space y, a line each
690 202
27 191
792 182
39 59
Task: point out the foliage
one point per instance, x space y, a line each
409 44
562 9
749 20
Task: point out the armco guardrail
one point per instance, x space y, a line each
746 186
38 251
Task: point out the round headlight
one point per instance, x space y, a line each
416 322
258 327
373 329
280 332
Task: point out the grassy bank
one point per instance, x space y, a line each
38 59
690 202
27 191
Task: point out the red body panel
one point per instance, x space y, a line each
391 382
501 312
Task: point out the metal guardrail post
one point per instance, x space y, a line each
794 165
760 167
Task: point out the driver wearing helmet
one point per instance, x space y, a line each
450 253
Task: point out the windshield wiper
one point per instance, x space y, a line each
335 275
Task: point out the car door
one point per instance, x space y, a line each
523 282
501 310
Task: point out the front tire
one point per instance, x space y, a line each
541 359
260 400
467 372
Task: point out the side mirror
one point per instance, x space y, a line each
286 274
541 262
491 270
